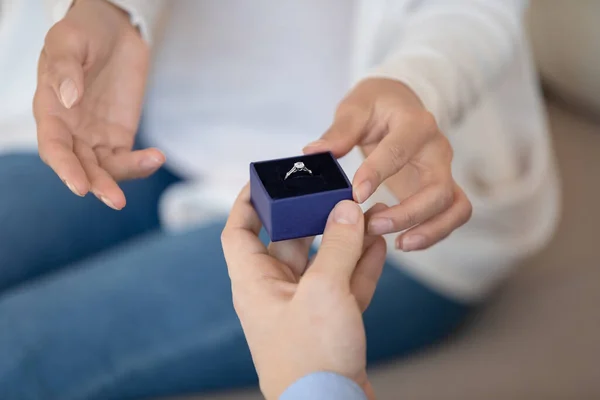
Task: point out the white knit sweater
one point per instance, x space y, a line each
468 61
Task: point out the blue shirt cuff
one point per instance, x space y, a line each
324 386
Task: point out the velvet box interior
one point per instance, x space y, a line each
299 205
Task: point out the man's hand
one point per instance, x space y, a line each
406 151
299 319
91 77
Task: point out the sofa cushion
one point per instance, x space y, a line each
564 37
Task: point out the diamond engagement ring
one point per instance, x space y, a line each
298 166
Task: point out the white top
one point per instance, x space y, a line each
237 81
245 81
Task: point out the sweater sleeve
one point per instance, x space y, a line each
144 14
450 51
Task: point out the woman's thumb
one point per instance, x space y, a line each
64 56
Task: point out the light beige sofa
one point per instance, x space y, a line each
539 336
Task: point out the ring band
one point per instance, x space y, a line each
298 167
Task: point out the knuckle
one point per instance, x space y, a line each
230 239
238 303
341 244
337 243
446 150
371 172
103 157
352 112
445 197
45 149
398 155
346 108
117 140
422 121
35 102
125 141
406 220
63 32
427 122
225 237
43 155
467 211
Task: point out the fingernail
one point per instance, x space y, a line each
150 163
380 226
363 191
68 93
72 188
314 145
347 213
109 203
413 242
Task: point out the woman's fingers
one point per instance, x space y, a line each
102 184
423 205
439 227
126 164
55 146
55 139
406 137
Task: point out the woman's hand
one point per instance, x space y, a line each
91 77
406 151
298 319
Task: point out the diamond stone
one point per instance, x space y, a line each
299 165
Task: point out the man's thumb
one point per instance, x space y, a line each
342 243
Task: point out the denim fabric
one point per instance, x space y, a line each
99 304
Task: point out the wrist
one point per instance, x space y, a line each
111 14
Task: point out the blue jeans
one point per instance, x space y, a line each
98 304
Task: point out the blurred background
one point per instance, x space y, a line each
538 337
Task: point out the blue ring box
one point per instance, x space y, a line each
300 205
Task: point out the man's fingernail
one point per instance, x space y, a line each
380 226
72 188
413 242
347 213
109 203
362 191
314 145
150 163
68 93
